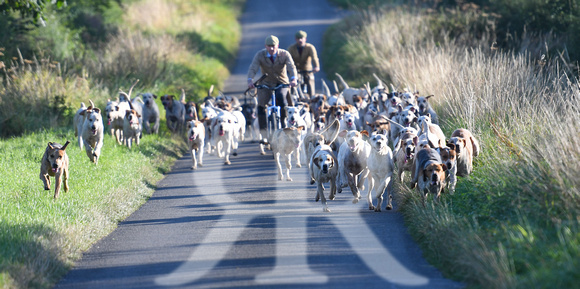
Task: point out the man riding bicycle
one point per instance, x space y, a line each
279 66
306 60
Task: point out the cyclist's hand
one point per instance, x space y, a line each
293 82
250 83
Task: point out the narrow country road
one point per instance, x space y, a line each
237 226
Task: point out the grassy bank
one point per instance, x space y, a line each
167 45
42 237
514 222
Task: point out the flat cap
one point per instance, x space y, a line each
301 34
272 40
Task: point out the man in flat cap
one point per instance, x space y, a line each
306 60
279 66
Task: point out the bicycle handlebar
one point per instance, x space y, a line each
272 88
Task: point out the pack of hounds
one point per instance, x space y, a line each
127 119
345 137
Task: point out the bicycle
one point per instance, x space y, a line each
273 113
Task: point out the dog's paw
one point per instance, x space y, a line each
377 209
289 179
326 210
312 181
200 164
235 154
298 165
193 167
331 197
355 201
227 163
372 208
47 188
389 207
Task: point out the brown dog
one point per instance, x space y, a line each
55 164
428 173
449 158
467 147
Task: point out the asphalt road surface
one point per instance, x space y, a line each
238 226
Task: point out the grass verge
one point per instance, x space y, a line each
42 237
515 221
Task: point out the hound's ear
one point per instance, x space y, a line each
364 132
154 96
451 145
415 140
50 145
65 145
429 96
97 110
444 167
428 114
138 115
317 162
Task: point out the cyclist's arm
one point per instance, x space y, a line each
315 61
253 69
291 69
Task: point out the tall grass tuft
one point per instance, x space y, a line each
133 55
37 94
514 222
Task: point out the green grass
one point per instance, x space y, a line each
515 221
43 236
167 45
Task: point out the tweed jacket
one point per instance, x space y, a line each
307 60
281 71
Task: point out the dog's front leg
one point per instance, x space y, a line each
288 161
320 191
332 189
194 159
353 187
278 165
97 152
235 145
388 187
45 180
58 181
452 180
65 179
200 150
371 186
228 149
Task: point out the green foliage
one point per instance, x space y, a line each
27 8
